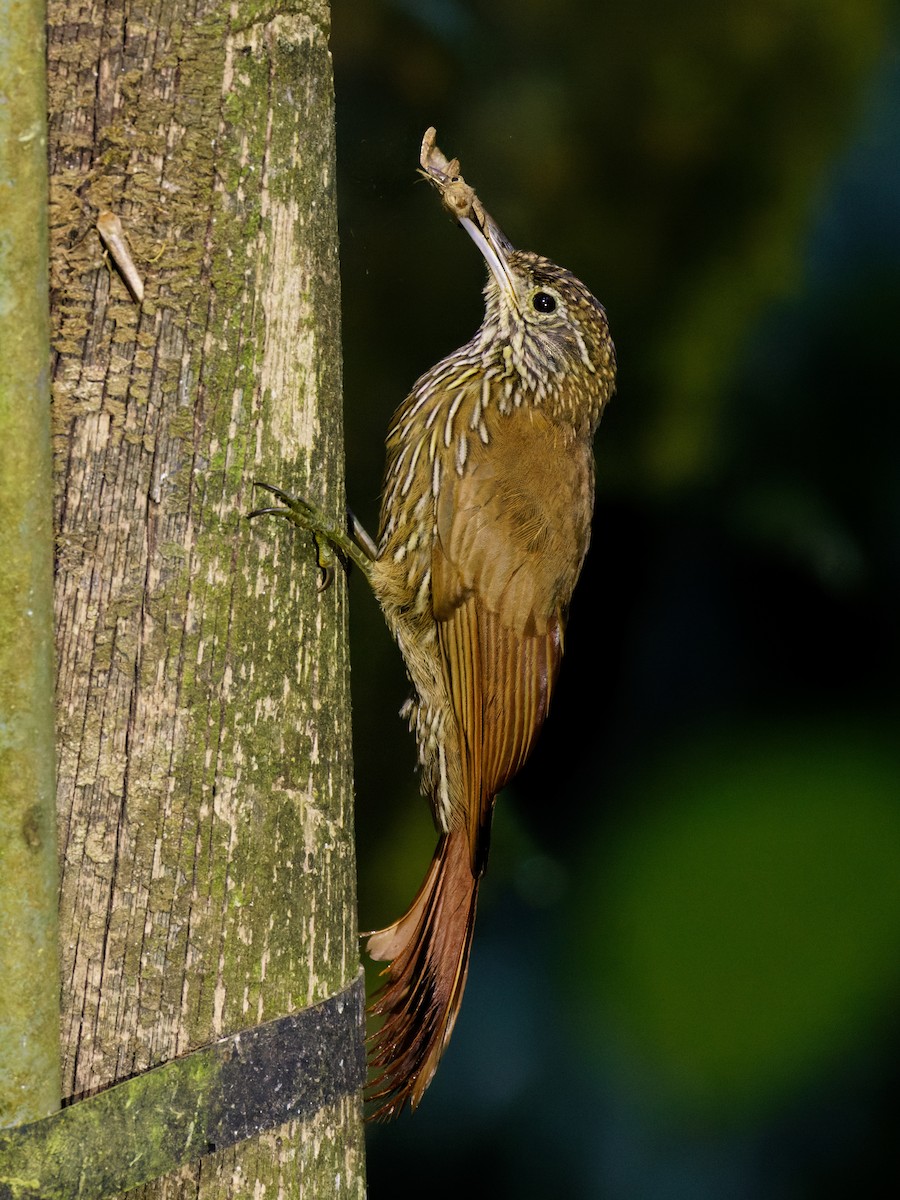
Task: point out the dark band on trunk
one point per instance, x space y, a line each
221 1094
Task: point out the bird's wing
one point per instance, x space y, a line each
507 553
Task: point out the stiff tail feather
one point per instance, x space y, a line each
428 955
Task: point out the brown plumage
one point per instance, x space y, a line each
485 522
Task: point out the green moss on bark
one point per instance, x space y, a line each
29 1011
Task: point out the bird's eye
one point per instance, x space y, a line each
543 302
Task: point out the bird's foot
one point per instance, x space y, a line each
332 542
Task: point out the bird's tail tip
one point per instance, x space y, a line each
427 952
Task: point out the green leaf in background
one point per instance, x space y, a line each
743 931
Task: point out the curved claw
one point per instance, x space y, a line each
276 491
325 557
268 512
326 578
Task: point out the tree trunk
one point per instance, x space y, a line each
205 819
29 970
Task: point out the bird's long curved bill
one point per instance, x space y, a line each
495 247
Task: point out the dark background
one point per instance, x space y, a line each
686 971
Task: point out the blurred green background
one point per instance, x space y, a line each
686 971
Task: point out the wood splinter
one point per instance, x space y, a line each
113 237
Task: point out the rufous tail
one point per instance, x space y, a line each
428 955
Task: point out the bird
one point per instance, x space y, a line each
485 522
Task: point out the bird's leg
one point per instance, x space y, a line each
331 540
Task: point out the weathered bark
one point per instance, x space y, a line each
208 877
